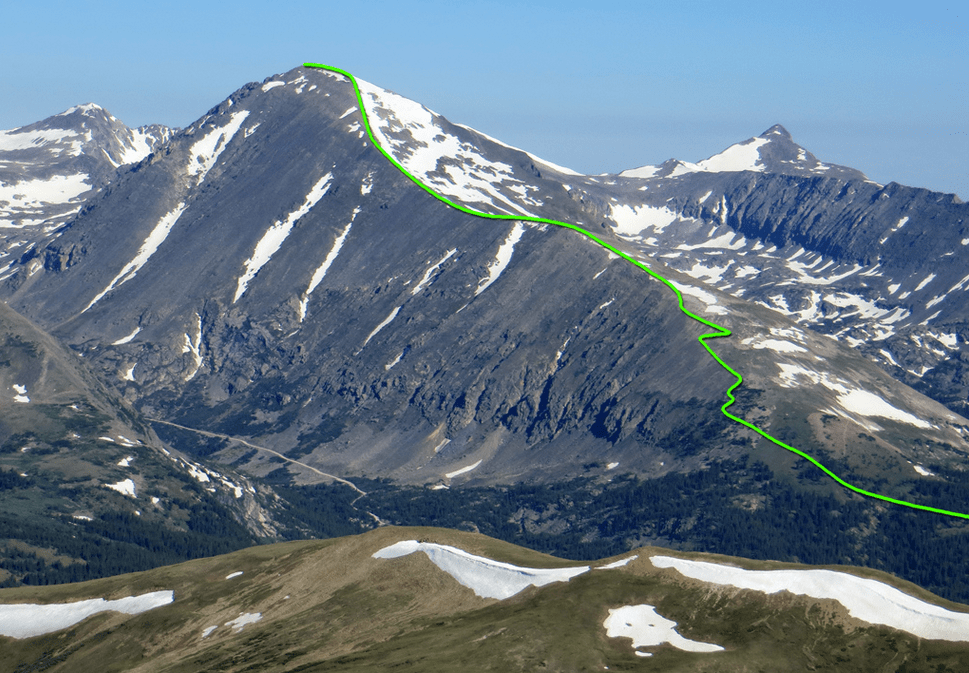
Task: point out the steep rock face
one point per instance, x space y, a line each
278 279
270 276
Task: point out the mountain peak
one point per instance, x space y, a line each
87 109
776 130
773 151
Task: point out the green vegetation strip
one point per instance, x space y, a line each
720 331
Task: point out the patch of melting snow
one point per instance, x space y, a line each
925 473
387 320
390 365
463 470
631 220
127 339
704 296
274 237
148 248
28 620
487 578
854 400
928 279
612 466
126 462
206 152
243 620
194 347
235 574
776 345
728 240
502 258
618 564
868 404
430 271
321 270
124 487
647 628
21 395
453 167
947 340
865 599
208 631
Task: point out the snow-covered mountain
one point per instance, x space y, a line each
276 296
773 151
50 168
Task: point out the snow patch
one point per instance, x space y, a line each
427 275
389 366
386 321
194 347
865 599
243 620
124 487
502 257
321 270
631 221
648 629
463 470
776 345
277 233
925 473
205 152
27 620
21 395
619 564
127 339
235 574
740 157
487 578
148 248
925 282
704 296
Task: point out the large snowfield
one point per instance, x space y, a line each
487 578
28 620
865 599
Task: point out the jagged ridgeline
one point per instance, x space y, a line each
274 297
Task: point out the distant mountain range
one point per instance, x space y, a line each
277 302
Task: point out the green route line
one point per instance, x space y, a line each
720 331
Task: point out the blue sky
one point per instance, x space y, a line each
597 86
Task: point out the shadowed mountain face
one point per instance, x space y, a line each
267 275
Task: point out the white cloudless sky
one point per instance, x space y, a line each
596 86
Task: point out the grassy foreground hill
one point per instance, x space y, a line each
330 605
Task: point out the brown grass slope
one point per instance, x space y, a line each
329 606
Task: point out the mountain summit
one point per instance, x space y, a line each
773 151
